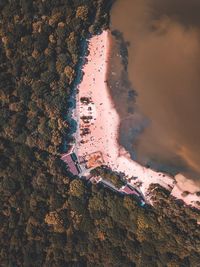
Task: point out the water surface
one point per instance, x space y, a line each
160 126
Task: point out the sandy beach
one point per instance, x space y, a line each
98 123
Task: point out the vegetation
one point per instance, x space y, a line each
110 176
47 217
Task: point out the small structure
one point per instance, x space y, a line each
129 190
95 179
71 161
85 100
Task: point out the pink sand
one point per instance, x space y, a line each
104 126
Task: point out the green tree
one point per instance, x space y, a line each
77 188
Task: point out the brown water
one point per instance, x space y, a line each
164 70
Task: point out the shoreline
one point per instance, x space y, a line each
98 138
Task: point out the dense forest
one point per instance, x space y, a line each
47 217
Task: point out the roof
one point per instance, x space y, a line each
129 190
71 164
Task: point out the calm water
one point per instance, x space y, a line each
161 125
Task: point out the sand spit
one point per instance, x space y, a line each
98 124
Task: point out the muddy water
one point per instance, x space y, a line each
161 41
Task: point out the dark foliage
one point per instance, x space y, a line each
47 217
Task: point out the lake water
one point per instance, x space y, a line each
155 81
